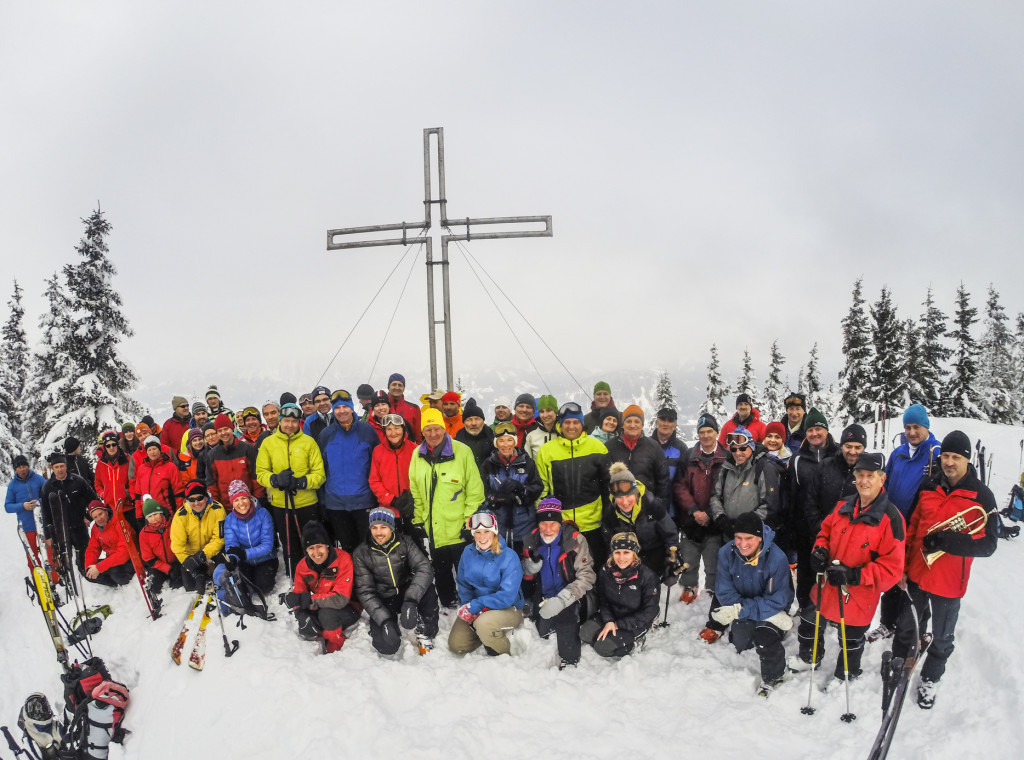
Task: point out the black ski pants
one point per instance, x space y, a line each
287 530
262 575
445 561
597 544
566 627
943 614
387 638
617 644
767 640
854 642
349 527
115 576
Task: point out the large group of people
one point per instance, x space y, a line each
573 519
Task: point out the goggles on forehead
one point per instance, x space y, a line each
570 407
737 438
393 419
250 411
290 410
482 521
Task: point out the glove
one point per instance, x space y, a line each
534 555
298 600
299 483
157 579
230 561
551 607
195 564
282 481
238 552
403 504
175 581
934 542
410 616
725 526
841 575
466 535
781 620
819 559
727 613
419 532
465 614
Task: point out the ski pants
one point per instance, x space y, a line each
293 551
693 552
805 579
767 640
115 576
566 627
943 613
597 544
890 606
348 526
490 629
617 644
387 637
261 574
445 561
328 623
854 642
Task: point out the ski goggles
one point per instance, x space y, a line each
290 410
736 439
505 428
482 521
623 486
251 411
393 419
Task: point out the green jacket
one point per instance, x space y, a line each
446 491
576 473
298 452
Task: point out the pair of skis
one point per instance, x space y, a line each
197 659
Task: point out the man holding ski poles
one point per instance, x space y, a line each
66 499
858 554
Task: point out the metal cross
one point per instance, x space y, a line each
423 226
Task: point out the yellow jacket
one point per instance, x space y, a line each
191 532
301 454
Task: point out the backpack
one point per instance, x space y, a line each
239 595
1015 509
94 706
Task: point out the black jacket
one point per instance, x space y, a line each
482 445
382 572
831 483
632 604
74 494
802 465
648 464
651 524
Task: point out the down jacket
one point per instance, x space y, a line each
762 585
490 580
385 571
255 535
630 598
904 473
329 586
18 492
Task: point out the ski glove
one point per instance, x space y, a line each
532 562
230 561
419 532
551 607
410 616
466 615
282 481
781 620
195 564
726 613
819 559
298 600
299 483
403 504
934 542
237 551
725 525
841 575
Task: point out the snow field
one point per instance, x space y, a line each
277 698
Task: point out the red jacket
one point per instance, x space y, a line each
871 539
108 541
135 459
236 463
389 470
756 427
937 502
330 588
155 547
174 430
410 413
155 478
112 478
375 424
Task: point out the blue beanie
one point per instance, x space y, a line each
567 415
396 376
382 516
916 415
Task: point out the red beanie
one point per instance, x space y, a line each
778 428
222 421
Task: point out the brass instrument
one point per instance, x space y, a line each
970 521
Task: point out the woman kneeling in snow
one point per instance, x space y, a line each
628 595
488 579
249 538
323 589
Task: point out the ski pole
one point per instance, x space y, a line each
1020 462
847 717
287 538
229 649
808 710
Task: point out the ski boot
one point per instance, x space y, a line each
767 687
880 633
710 635
689 595
926 694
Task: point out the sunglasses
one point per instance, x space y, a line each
393 419
482 521
110 445
196 499
734 449
181 406
289 410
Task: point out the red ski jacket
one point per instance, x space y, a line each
410 413
237 463
389 470
871 539
155 547
937 502
332 587
108 541
175 429
756 427
155 478
111 480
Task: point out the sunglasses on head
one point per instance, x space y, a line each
341 396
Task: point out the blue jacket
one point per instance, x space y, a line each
904 474
347 455
764 588
490 580
255 535
18 492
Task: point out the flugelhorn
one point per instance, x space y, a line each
970 521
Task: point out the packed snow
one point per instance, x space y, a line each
278 698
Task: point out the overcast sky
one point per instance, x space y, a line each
716 171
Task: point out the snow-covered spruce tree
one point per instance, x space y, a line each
856 373
98 396
801 380
930 372
996 391
960 391
909 390
13 373
812 379
714 403
774 393
747 382
1018 362
664 398
884 379
49 369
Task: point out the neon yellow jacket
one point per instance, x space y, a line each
300 453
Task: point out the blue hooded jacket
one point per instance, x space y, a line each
18 492
764 588
347 456
486 579
904 473
255 535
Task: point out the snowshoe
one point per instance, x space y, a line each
689 595
926 694
880 633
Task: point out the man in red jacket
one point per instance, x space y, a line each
106 558
411 414
746 416
937 589
231 459
177 425
859 553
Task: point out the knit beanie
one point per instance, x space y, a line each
212 392
916 415
223 421
152 441
342 398
152 507
601 385
546 402
451 396
668 414
287 398
815 418
237 488
707 420
957 442
20 461
193 434
743 398
549 510
525 398
70 444
796 399
431 417
382 516
314 533
750 523
196 488
199 406
380 397
775 427
570 415
632 411
177 401
472 409
142 430
98 506
364 392
854 434
396 376
128 427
